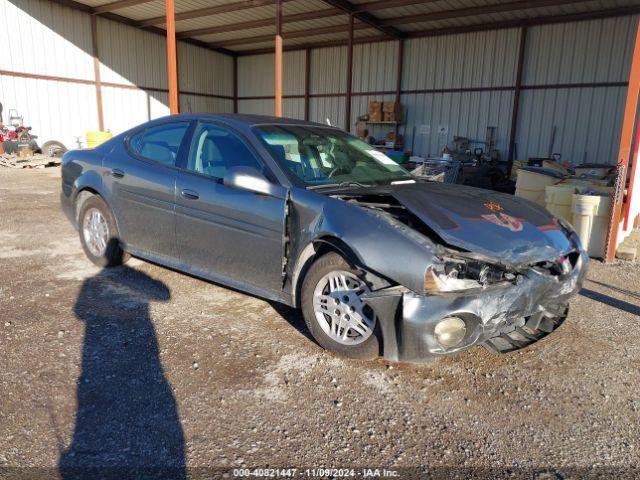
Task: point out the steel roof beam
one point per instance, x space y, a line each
365 17
132 23
288 35
267 22
110 7
472 11
234 7
208 11
545 20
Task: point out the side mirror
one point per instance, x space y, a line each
248 178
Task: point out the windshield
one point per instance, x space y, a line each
325 156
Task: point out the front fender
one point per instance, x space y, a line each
378 243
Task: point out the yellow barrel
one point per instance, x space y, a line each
532 181
97 138
558 200
591 220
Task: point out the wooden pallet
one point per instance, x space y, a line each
35 161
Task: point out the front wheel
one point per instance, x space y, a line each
99 234
334 311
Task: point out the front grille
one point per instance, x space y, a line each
536 327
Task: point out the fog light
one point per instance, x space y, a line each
450 331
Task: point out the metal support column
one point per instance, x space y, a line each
96 71
172 57
347 103
626 141
516 100
235 84
307 82
278 60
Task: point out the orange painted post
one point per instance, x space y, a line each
347 103
96 71
278 60
626 140
172 57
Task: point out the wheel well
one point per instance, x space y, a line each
321 246
82 197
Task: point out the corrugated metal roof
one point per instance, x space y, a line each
411 16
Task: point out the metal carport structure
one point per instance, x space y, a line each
247 29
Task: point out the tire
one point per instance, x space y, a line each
368 347
53 148
111 254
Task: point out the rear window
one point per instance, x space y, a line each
160 143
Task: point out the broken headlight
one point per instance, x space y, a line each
458 274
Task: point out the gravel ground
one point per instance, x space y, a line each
145 367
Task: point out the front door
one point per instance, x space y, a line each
143 181
227 234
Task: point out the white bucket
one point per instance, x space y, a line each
591 220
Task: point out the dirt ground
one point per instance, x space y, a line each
145 367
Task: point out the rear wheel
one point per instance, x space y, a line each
334 311
99 234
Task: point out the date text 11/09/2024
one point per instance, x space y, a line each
316 472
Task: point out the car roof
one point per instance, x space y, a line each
244 120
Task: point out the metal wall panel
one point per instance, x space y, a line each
331 108
201 104
256 74
204 71
131 56
433 119
56 110
44 38
126 108
587 123
587 120
479 59
579 52
329 70
291 107
375 67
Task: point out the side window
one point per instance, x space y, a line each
160 143
215 149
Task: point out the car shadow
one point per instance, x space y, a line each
127 423
612 302
293 316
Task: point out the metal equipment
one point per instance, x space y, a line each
445 170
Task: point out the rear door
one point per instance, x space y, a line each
229 234
143 185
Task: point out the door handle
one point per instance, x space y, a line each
116 172
189 194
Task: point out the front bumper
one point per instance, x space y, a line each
501 318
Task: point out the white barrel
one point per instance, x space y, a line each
591 220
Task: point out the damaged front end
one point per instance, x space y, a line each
503 316
472 298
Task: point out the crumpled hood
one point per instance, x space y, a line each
505 227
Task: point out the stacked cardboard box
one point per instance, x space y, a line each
375 111
391 111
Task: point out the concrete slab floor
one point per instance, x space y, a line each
144 366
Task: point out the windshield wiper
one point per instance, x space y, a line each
339 185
